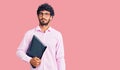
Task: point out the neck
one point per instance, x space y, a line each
44 27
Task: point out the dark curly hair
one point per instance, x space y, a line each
46 7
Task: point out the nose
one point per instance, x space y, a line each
42 15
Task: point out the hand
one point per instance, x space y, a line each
35 61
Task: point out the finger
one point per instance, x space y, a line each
34 58
38 61
37 64
37 58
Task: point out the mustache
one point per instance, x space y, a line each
43 19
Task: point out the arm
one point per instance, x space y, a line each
60 54
21 51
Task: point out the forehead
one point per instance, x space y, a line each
44 11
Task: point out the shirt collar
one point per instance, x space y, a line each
39 29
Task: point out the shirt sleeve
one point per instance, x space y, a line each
60 53
21 50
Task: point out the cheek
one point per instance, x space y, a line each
39 17
48 19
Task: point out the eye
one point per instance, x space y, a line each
44 14
47 13
41 13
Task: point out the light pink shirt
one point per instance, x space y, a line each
53 57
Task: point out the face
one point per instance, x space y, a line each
44 17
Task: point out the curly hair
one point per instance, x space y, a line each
46 7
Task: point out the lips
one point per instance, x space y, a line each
43 19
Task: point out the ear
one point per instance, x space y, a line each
37 16
51 17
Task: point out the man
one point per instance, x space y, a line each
53 57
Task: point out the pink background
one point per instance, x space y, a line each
90 28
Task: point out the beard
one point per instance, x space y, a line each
43 23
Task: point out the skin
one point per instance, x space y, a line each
35 61
44 18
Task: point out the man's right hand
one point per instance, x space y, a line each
35 61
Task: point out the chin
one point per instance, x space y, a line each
43 24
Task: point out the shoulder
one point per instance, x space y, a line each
30 31
56 32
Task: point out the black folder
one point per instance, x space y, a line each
36 48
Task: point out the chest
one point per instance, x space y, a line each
48 39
